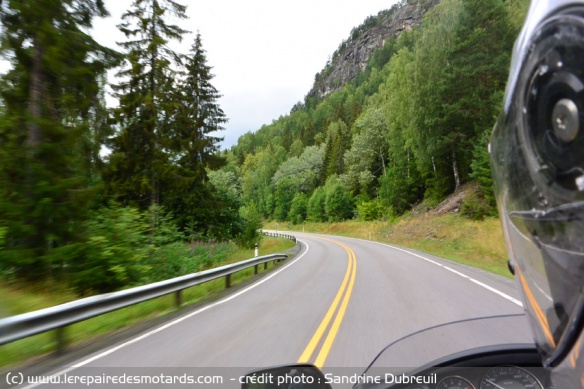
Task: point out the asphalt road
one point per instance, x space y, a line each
336 304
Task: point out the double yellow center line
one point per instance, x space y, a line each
343 296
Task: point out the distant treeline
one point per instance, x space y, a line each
412 127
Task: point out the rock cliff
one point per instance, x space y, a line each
354 53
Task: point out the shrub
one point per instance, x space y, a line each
476 208
114 255
369 210
177 259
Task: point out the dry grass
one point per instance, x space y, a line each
448 235
476 243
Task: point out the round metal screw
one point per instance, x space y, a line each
566 120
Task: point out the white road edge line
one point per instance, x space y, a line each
490 288
172 323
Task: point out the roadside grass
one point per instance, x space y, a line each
476 243
451 236
17 299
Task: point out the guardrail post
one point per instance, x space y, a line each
178 298
255 269
265 265
228 281
61 340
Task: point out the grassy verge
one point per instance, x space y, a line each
451 236
20 299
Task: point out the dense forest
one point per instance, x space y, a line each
101 221
412 126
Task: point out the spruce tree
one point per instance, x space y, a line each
51 98
139 164
200 112
194 145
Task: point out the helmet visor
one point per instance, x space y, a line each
537 159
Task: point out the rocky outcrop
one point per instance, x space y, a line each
353 54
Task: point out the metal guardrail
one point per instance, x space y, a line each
58 317
278 235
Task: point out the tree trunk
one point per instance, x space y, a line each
33 136
33 142
382 161
408 163
152 110
455 171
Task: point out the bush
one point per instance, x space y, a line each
119 250
369 210
476 208
114 255
177 259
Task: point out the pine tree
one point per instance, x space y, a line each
139 165
51 99
194 145
200 112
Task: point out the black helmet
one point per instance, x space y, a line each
537 158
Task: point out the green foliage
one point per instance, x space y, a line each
257 172
517 10
481 170
298 208
475 207
303 171
51 106
407 129
3 231
336 143
339 204
316 206
178 259
148 137
251 234
167 111
121 249
455 82
116 252
369 210
368 153
285 192
228 195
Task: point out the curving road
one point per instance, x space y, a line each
336 304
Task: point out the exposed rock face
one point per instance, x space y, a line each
353 54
